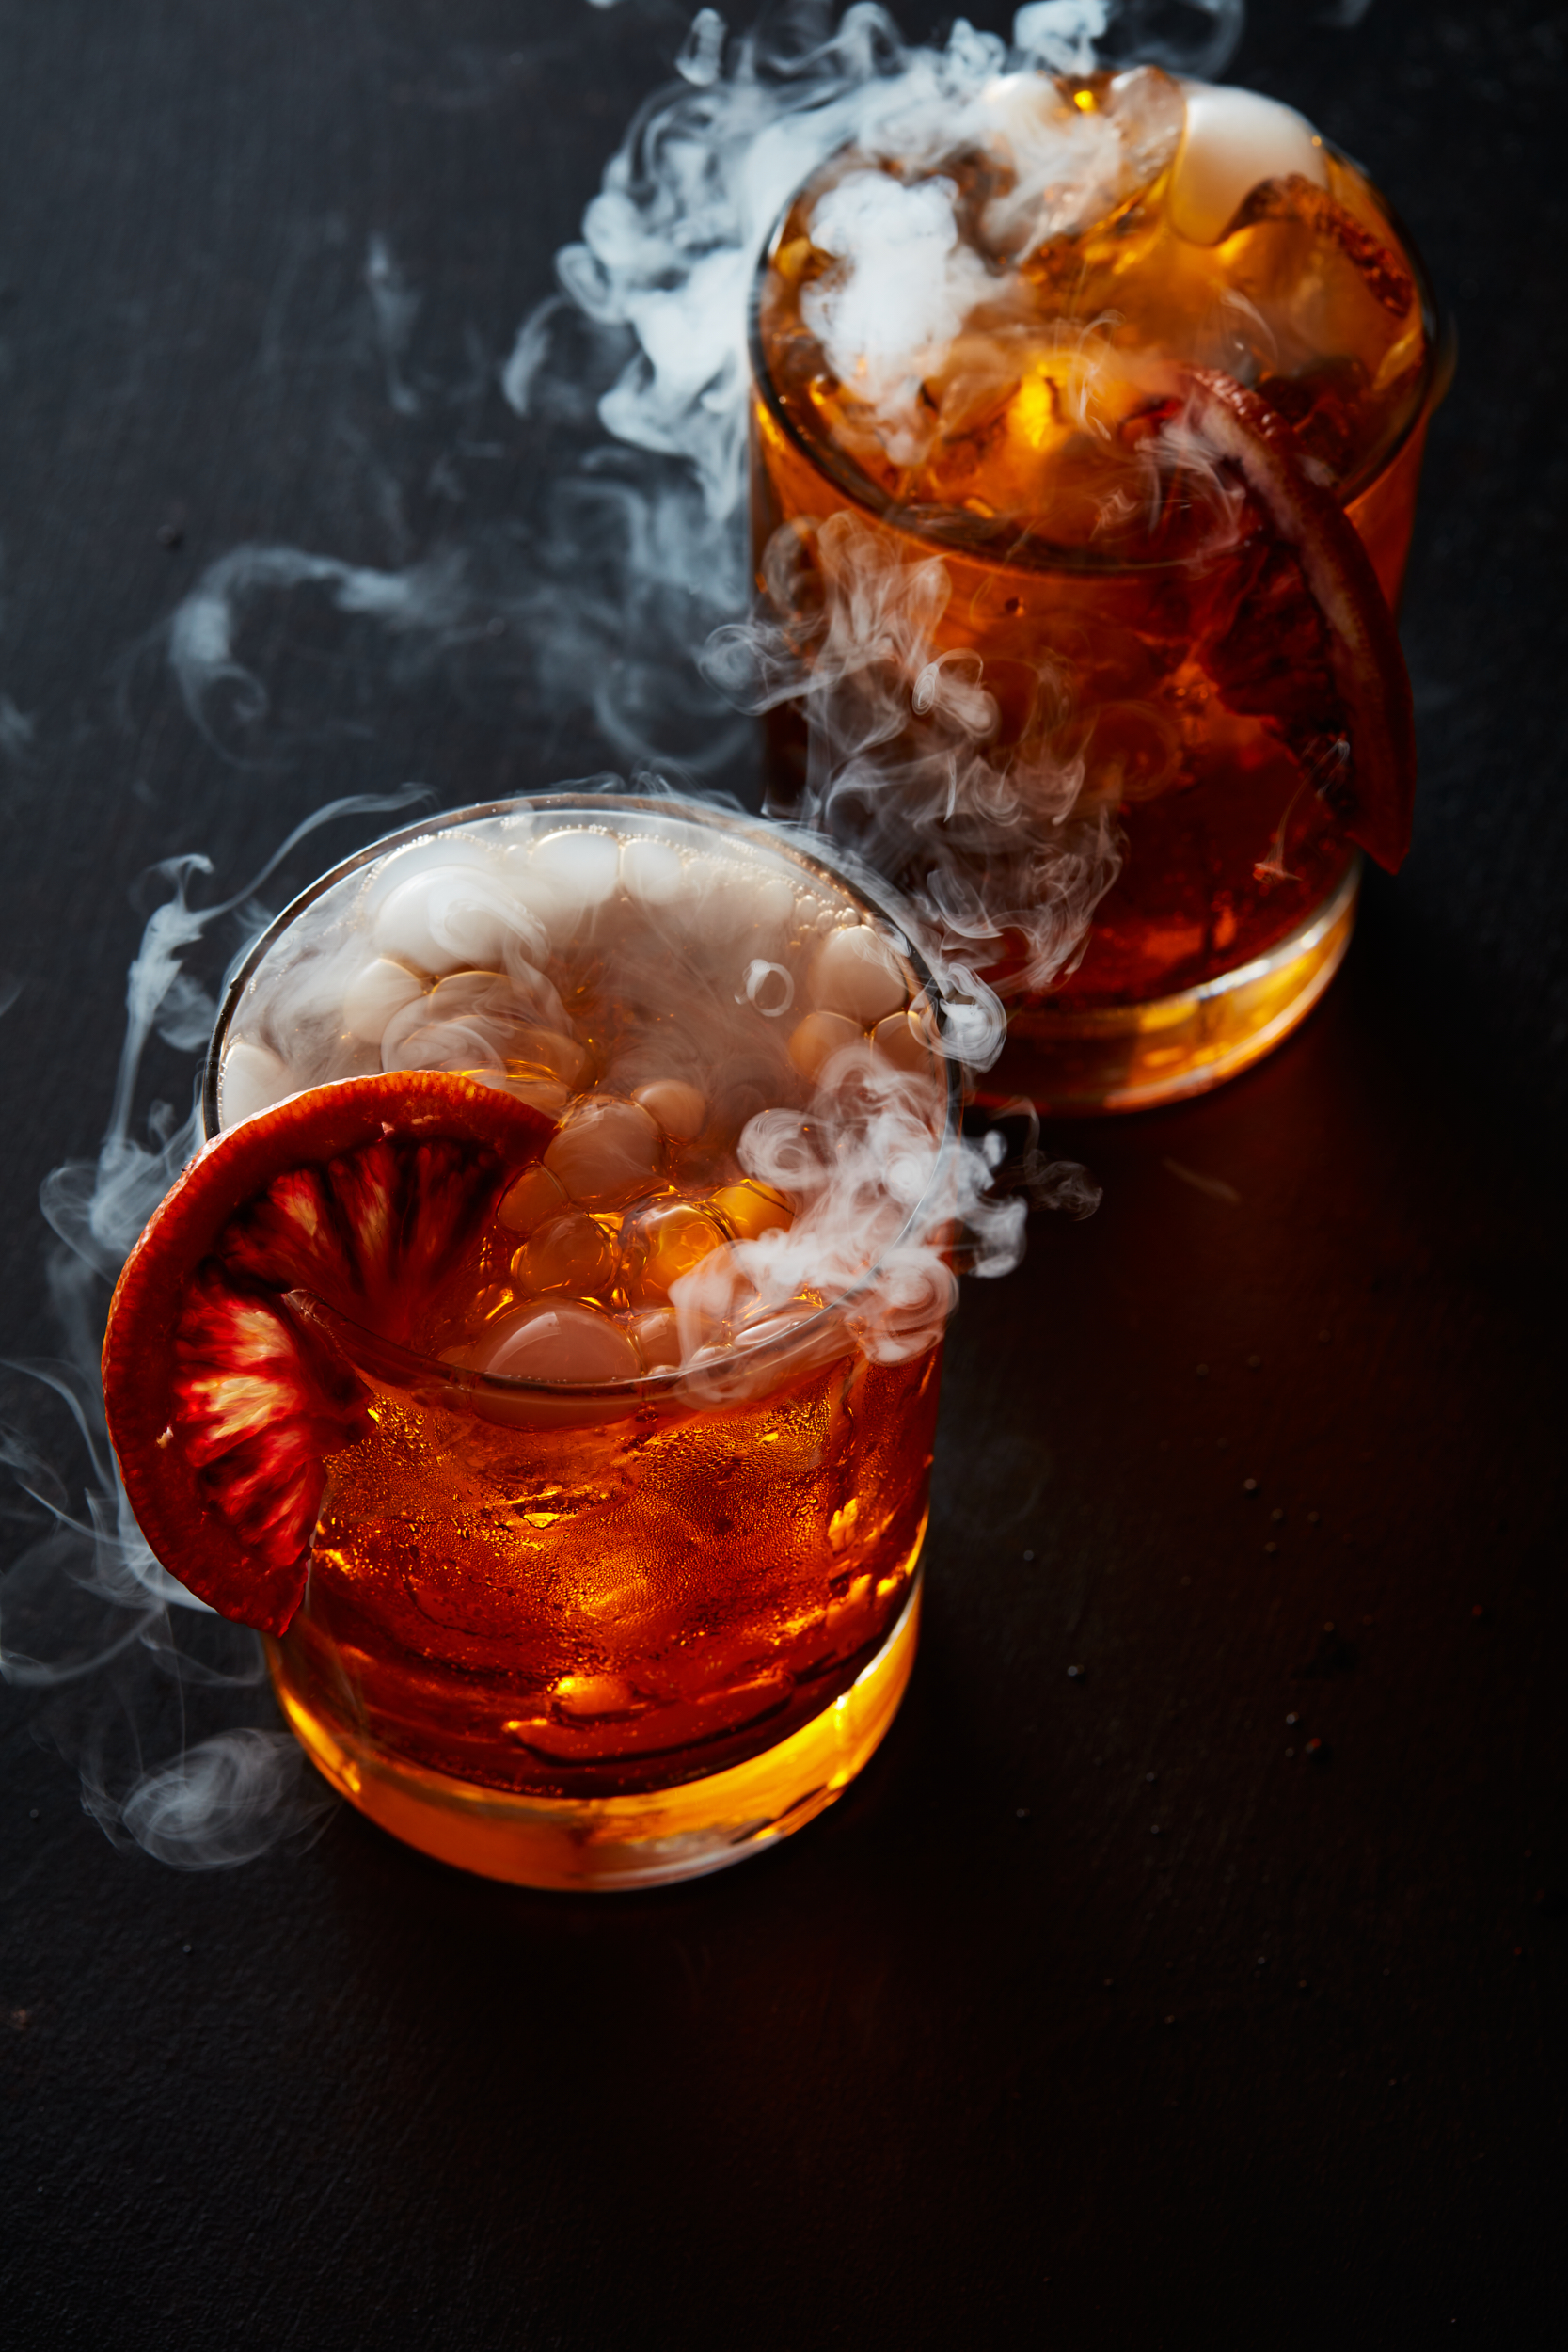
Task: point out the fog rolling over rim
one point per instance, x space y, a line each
719 1028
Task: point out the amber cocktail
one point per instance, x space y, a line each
1060 405
617 1579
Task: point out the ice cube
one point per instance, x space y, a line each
1148 111
819 1037
679 1108
527 1204
856 973
570 1253
252 1079
1234 138
566 1342
606 1151
381 990
447 919
1067 164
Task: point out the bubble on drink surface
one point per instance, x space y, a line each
653 873
663 1242
512 1023
821 1039
657 1339
750 1210
900 1042
565 877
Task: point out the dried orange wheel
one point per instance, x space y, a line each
1306 640
222 1402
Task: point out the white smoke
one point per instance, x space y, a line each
122 1655
686 956
896 757
631 384
896 761
905 285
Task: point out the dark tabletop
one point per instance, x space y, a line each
1189 1964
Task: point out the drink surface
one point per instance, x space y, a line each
982 343
680 1507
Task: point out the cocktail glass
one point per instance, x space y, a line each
1237 889
602 1635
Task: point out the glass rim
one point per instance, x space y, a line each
1438 365
734 1366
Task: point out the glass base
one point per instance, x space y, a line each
598 1845
1128 1057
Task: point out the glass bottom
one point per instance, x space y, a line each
599 1845
1128 1057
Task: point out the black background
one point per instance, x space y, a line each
1093 2013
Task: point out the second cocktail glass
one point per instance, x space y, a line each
1116 597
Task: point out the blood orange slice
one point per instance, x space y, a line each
222 1402
1308 641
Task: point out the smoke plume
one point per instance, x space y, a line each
598 597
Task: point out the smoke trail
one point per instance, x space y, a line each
598 595
893 743
896 749
125 1659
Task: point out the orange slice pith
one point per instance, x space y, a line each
1305 639
222 1403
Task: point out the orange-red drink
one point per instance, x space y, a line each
556 1326
1062 402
